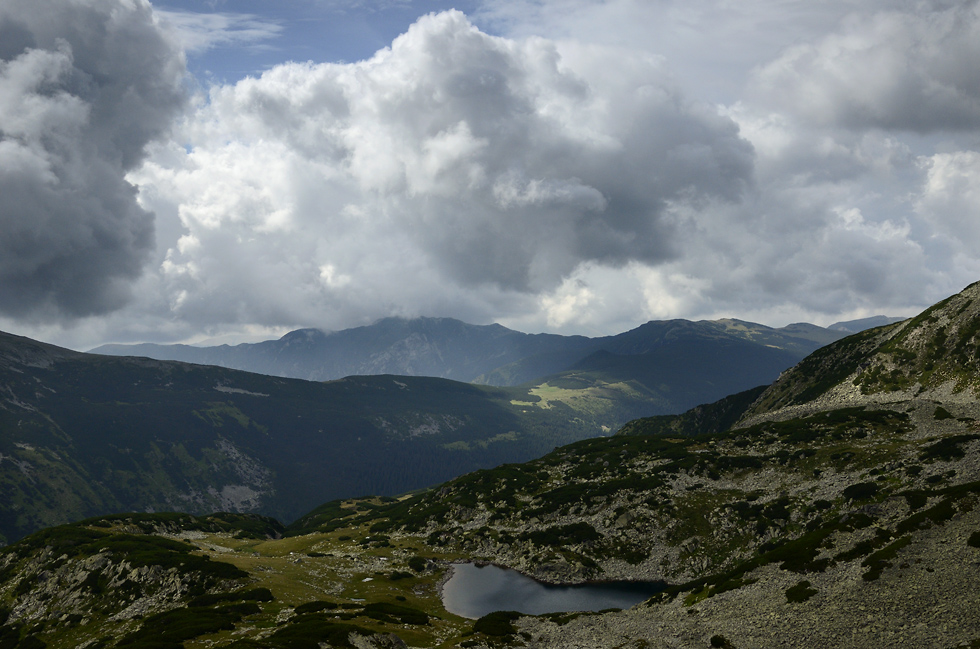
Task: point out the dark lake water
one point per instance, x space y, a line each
473 591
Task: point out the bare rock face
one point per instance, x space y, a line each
57 587
377 641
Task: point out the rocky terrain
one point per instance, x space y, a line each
837 507
853 480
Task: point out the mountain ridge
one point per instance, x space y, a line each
133 433
449 348
83 434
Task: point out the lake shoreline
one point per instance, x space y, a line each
470 590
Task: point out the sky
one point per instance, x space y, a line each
229 170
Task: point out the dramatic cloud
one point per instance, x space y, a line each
84 86
914 70
589 166
452 162
711 45
950 205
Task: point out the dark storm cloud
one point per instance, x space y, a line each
84 87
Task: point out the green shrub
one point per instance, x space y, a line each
721 642
974 540
400 574
24 586
801 592
861 491
860 549
252 595
404 614
563 534
947 449
32 642
937 514
312 632
172 628
497 623
730 584
916 499
316 607
882 559
941 413
800 555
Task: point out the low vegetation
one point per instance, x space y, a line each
832 497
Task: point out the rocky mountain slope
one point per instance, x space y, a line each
489 354
838 507
82 434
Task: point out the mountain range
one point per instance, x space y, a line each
448 348
87 434
837 506
82 434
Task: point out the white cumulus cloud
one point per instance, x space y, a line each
914 70
452 162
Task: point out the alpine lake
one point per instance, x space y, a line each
477 590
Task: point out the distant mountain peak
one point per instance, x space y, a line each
449 348
306 335
855 326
